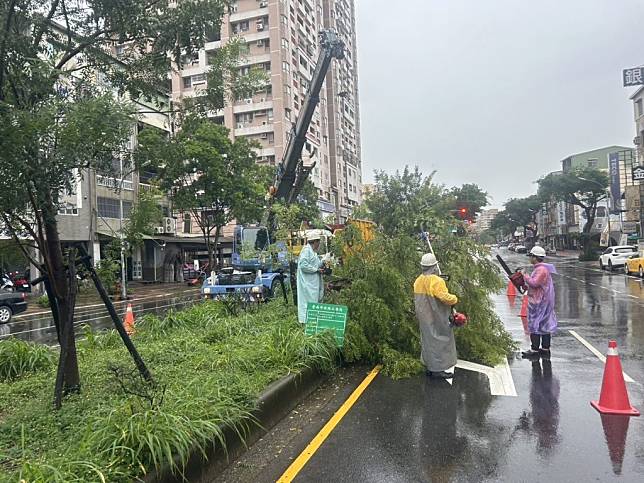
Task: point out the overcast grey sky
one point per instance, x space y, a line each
495 92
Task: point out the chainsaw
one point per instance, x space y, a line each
515 277
457 319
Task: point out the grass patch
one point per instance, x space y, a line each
208 367
19 358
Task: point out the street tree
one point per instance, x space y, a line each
469 197
407 201
583 187
207 174
59 116
518 212
502 224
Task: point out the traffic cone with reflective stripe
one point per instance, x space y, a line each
512 291
614 397
128 323
524 307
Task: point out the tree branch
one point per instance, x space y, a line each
79 48
3 44
21 246
39 34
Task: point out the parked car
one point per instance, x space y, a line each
635 264
615 256
520 249
11 304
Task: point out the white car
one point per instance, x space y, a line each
616 256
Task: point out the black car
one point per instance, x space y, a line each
11 303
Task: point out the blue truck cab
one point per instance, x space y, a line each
256 271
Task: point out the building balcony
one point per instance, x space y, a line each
248 15
255 59
250 130
265 152
252 106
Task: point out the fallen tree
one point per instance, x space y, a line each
382 325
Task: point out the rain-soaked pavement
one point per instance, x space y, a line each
39 327
424 430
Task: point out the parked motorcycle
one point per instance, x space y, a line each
6 284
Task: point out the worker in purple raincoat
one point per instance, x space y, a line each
542 321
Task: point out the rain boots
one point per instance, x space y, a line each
540 346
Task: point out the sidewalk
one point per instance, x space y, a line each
90 298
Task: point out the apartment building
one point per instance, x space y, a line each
484 220
282 38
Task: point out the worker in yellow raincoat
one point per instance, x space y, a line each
310 286
433 308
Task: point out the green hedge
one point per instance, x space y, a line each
209 369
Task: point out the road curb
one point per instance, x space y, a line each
274 404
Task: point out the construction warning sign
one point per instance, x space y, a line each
321 317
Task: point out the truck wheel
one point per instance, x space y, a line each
5 314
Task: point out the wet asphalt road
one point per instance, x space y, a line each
39 327
425 430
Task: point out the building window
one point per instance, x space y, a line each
213 35
240 27
110 207
68 209
193 80
187 223
592 163
638 108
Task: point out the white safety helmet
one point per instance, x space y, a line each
428 260
538 251
313 237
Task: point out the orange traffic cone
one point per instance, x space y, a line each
512 291
128 323
614 397
524 307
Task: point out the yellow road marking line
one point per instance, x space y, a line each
299 463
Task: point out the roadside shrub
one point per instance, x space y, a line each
43 301
18 358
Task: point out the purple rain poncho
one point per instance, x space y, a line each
541 300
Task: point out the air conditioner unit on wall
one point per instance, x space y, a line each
170 225
637 140
159 230
240 125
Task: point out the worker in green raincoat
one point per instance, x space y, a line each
309 276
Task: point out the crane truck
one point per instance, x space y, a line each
262 275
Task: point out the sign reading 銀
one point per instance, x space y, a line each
633 76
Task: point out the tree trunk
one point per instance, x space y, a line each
586 238
216 243
58 279
211 258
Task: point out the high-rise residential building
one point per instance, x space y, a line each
484 219
282 39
